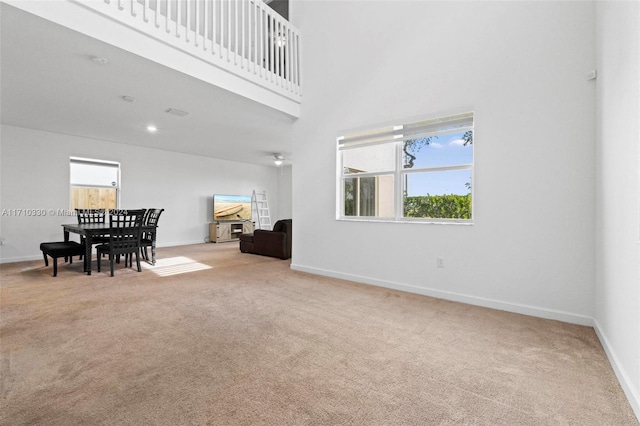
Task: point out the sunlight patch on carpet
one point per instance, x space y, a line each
175 266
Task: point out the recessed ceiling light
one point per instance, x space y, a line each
99 60
152 128
177 112
128 98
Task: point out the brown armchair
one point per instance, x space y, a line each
276 243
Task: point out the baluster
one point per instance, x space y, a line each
205 31
133 8
145 11
235 28
287 58
254 37
278 53
213 27
263 32
205 25
196 16
156 20
251 57
221 26
291 59
296 70
168 16
283 55
178 18
266 37
187 23
298 50
229 31
242 29
271 52
120 6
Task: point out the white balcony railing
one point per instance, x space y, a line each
245 37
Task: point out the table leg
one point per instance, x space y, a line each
153 248
87 253
66 236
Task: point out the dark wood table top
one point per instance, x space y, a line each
94 228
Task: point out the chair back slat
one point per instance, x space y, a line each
152 217
125 229
91 216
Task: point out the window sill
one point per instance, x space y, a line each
463 222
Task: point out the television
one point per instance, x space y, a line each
231 207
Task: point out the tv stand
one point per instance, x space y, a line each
229 230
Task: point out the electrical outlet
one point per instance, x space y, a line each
440 262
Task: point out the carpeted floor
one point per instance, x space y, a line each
211 336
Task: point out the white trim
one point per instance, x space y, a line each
501 305
632 394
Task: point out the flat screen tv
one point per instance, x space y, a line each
231 207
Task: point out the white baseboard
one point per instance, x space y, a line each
455 297
633 395
21 259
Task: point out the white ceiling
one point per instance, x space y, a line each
48 82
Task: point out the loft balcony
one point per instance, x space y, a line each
242 46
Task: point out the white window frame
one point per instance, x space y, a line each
101 163
440 124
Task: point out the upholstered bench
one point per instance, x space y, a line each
60 249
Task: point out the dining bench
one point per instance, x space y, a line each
58 249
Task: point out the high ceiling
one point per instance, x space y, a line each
50 83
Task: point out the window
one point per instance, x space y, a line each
417 171
95 184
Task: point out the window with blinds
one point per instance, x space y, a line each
95 184
415 171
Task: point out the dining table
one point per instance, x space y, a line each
90 230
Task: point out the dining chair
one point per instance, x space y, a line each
125 228
92 216
148 238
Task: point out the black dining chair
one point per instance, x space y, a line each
125 227
148 238
93 216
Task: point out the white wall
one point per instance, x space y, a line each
521 67
285 204
617 297
34 169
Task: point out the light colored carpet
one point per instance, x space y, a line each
250 342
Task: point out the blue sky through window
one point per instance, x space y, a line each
445 150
